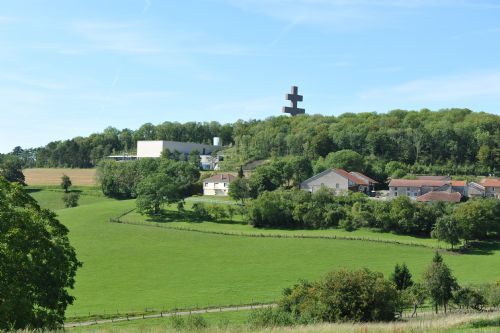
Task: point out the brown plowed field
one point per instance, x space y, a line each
49 176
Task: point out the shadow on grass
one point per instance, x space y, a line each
482 248
33 190
187 216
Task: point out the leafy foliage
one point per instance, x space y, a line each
439 282
71 199
171 182
65 183
401 277
37 263
11 168
341 296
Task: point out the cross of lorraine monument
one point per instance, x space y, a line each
294 97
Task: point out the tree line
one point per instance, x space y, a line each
450 141
477 219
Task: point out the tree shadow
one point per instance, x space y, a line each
481 248
33 190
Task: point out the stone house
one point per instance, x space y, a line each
339 180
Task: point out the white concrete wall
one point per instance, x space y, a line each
331 180
149 149
155 148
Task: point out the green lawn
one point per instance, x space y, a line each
50 197
130 267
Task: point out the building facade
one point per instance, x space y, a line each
339 180
218 184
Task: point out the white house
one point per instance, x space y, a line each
218 184
339 180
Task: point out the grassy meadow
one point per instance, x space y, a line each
50 196
130 268
135 267
236 322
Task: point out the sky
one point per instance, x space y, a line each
71 68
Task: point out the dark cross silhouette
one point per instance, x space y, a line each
294 97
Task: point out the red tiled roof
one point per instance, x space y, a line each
440 196
425 177
351 177
490 182
364 177
222 177
417 183
458 183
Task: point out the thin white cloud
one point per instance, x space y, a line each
461 88
123 37
27 80
6 19
348 14
147 4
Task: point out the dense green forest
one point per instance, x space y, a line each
457 141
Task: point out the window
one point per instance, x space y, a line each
337 186
206 184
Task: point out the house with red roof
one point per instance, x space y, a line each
339 180
491 187
442 196
415 187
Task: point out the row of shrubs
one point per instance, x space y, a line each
475 219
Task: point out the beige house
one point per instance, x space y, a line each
491 187
339 180
416 187
218 184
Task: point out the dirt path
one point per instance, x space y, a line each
169 314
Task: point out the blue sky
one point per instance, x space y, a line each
70 68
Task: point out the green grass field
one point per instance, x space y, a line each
50 197
133 267
239 228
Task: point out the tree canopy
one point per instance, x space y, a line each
37 263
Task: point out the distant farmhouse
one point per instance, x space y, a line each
154 149
442 188
218 184
339 180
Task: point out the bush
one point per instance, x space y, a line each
217 212
196 322
469 298
270 317
177 322
342 296
200 210
71 199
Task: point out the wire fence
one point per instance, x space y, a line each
165 225
160 311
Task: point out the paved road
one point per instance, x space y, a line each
169 314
